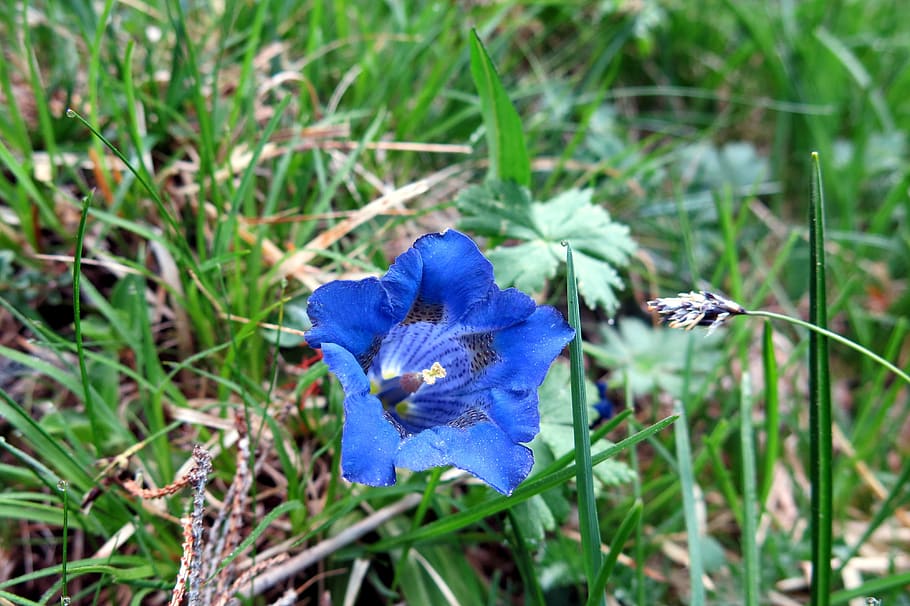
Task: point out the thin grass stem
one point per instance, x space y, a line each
90 409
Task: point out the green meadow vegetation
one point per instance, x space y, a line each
178 177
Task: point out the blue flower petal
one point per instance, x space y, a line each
516 413
369 442
356 314
498 310
455 272
350 314
484 450
526 350
402 281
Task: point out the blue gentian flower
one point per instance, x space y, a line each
604 406
439 366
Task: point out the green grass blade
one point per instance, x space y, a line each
628 525
182 249
820 441
687 482
507 154
639 554
772 413
871 588
587 505
725 483
18 600
752 574
62 486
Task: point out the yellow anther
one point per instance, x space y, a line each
436 371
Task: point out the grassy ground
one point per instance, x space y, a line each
270 147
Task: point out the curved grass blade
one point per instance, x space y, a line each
90 409
508 154
524 492
820 440
894 500
870 588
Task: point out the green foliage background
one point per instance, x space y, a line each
276 145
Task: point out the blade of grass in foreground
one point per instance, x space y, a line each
820 441
587 507
750 495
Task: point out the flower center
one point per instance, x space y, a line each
394 391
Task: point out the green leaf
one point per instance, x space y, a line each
506 211
556 410
508 154
652 359
534 519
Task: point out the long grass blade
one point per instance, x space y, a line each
90 411
587 505
687 482
820 440
750 495
525 562
524 492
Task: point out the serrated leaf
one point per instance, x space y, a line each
527 266
534 519
505 138
613 473
505 211
556 426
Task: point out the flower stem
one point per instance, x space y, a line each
834 337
